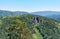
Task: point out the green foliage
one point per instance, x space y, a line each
22 27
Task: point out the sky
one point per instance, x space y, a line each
30 5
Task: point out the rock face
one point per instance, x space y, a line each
36 19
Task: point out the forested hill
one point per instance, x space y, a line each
29 27
11 13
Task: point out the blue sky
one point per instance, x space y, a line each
30 5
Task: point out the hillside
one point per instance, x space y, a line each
29 27
55 16
11 13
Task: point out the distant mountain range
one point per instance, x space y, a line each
46 13
10 13
50 14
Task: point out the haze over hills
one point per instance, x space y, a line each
50 14
42 13
45 13
11 13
